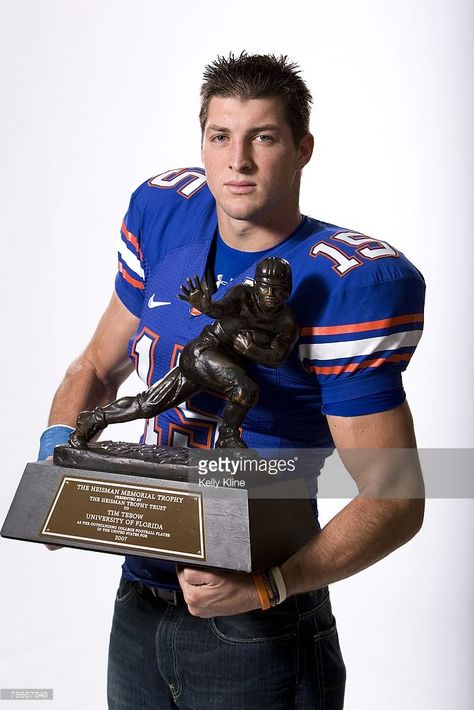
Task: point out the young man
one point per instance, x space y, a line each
200 639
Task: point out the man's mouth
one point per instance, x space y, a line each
239 187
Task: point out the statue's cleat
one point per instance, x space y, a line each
229 438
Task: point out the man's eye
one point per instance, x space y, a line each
264 138
219 138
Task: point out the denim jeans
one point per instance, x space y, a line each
161 657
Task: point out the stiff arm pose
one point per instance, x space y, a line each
359 304
254 324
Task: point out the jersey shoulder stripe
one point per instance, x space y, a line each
355 366
365 326
131 240
130 259
349 351
124 273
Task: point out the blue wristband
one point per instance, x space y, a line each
51 437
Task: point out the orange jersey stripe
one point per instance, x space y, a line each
358 327
127 277
353 366
132 239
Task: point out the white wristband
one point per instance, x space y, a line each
280 583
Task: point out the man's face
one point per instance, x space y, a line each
271 293
251 161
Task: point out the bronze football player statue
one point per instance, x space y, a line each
253 323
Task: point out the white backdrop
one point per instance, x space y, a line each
97 97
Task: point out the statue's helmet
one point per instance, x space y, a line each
276 271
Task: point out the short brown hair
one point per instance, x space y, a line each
258 76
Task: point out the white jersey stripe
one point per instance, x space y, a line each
131 260
364 346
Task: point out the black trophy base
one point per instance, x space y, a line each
127 503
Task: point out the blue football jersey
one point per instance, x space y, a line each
357 300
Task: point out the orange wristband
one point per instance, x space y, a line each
261 591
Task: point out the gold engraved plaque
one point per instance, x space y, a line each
136 517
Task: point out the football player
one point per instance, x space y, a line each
205 638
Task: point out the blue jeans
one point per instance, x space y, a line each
161 657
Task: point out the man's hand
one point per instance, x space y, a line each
197 294
213 592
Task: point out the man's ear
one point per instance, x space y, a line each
305 150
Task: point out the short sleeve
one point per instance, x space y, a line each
130 279
363 341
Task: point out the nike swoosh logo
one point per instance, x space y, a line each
154 304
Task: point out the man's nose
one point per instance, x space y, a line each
240 158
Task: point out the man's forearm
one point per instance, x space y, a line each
81 389
365 531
